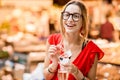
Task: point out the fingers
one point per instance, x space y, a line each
53 54
71 68
52 49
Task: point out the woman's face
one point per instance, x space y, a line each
72 19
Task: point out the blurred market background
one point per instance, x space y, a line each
26 24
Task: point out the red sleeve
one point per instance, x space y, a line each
97 50
54 39
91 50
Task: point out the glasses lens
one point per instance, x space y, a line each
76 17
65 15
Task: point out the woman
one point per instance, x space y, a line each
85 54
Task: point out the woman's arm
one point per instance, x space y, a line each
50 69
91 74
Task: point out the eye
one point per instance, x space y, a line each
66 14
76 16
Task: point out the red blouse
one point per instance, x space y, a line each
84 60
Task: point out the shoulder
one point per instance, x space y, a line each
54 35
93 44
54 38
94 48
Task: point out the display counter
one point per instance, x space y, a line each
112 53
109 66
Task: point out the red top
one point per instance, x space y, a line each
84 60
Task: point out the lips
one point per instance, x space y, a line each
70 25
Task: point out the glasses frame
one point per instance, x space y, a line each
71 14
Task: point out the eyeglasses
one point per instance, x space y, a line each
75 16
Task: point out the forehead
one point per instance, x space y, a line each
72 8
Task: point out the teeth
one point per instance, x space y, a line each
69 25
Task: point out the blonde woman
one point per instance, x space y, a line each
85 54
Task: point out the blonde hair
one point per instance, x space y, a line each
84 14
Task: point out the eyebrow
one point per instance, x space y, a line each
72 13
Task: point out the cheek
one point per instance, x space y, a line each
79 24
63 22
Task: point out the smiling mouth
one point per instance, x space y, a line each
70 25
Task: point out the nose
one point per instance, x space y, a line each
70 18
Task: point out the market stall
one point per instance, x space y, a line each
109 66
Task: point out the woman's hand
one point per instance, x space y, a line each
71 68
53 53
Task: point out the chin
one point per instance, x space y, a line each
70 31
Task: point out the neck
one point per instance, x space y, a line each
71 38
72 41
